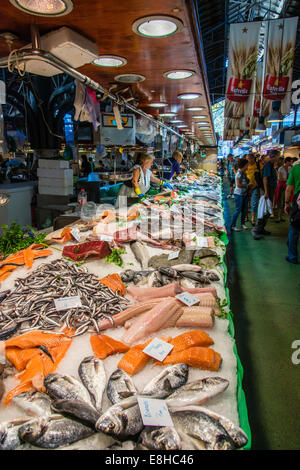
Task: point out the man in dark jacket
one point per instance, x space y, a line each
269 176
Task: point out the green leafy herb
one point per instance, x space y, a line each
15 238
222 305
115 256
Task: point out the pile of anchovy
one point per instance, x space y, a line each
31 305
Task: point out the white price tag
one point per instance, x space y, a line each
158 349
66 303
187 298
146 202
106 238
175 209
201 242
154 412
173 255
75 233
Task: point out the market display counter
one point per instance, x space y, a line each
230 403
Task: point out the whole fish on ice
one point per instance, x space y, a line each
92 374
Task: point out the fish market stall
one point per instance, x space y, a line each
82 314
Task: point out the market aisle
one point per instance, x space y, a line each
265 300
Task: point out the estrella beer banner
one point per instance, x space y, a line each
242 62
279 48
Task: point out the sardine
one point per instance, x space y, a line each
167 381
160 438
141 253
33 403
120 386
78 410
60 387
9 433
122 420
207 427
53 431
92 374
197 392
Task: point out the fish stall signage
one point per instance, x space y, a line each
75 234
158 349
154 412
188 299
66 303
173 255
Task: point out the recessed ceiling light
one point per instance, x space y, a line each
175 121
179 74
195 108
181 125
44 7
202 122
167 114
157 104
110 61
157 26
199 117
189 96
130 78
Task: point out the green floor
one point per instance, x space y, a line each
265 300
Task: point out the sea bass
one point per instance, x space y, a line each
120 386
197 392
78 410
170 379
61 387
9 434
92 374
156 438
53 431
122 420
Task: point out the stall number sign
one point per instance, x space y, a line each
173 255
154 412
188 299
158 349
66 303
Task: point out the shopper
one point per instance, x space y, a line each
85 166
172 165
270 183
240 195
230 174
253 173
293 184
283 173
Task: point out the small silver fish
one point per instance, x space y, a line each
61 387
122 420
120 386
92 373
167 381
197 392
53 431
164 438
33 403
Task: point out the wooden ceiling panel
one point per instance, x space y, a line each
109 24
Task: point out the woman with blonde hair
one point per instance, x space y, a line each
141 179
172 165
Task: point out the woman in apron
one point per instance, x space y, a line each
140 183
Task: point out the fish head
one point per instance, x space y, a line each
111 423
166 439
33 430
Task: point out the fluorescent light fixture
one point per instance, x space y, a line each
130 78
157 26
44 7
199 117
175 121
195 108
189 96
167 114
157 104
179 74
110 61
181 126
202 122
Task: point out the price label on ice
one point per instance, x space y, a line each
66 303
146 202
106 238
201 242
173 255
188 299
154 412
75 233
158 349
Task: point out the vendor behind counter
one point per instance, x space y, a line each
141 180
172 165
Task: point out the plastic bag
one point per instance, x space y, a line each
264 206
88 212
